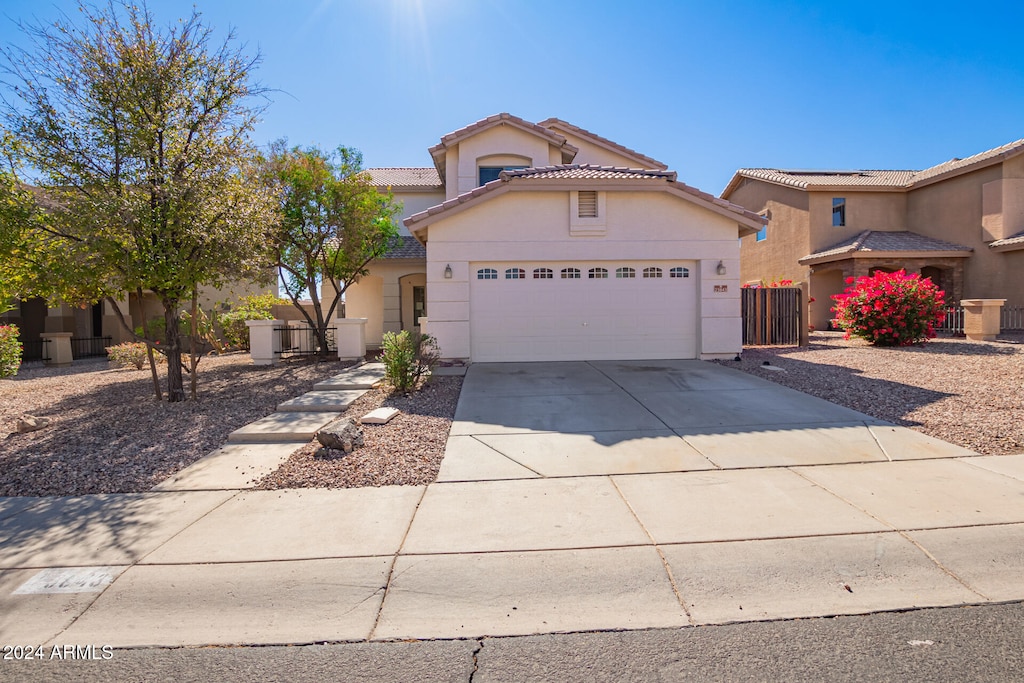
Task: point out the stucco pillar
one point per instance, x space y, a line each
57 349
982 318
350 338
264 341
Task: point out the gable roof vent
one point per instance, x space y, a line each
588 204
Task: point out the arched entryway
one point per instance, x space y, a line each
412 291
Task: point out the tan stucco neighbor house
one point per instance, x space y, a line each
961 223
543 241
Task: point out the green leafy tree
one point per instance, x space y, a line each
136 142
332 223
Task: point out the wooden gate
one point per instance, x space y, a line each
774 316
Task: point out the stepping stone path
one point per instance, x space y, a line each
321 401
360 377
300 418
240 463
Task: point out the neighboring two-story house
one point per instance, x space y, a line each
544 241
961 223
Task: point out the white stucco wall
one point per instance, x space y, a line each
378 297
534 225
463 160
414 202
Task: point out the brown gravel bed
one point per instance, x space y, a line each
406 451
110 435
964 392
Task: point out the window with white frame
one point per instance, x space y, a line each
570 273
679 271
487 274
543 274
515 274
652 271
598 274
625 273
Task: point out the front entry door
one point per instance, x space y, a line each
419 305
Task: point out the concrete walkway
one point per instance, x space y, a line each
572 497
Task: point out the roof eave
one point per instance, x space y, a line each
842 256
970 168
1012 246
605 143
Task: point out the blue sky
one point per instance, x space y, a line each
704 87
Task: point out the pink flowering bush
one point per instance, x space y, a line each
890 309
10 351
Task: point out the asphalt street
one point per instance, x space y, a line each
982 643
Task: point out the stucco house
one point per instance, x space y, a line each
543 241
961 223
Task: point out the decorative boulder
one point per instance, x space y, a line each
341 435
28 423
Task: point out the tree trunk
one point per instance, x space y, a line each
193 361
149 347
175 386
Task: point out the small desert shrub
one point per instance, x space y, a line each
128 354
890 309
407 356
10 351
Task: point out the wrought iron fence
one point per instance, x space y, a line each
1012 318
89 347
954 321
301 340
35 349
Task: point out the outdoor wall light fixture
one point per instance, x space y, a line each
720 269
448 272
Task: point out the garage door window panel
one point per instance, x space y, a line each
487 274
515 274
598 274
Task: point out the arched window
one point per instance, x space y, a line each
515 274
598 274
570 273
679 271
543 274
487 274
652 271
625 272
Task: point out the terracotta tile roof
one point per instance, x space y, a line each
961 165
858 179
497 119
1012 242
812 179
588 171
407 247
884 241
647 161
405 177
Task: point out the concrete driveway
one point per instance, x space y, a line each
572 497
520 420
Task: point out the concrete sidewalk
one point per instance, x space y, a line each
572 497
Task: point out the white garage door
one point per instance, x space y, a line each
583 310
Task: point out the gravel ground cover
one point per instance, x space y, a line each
405 451
964 392
110 435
